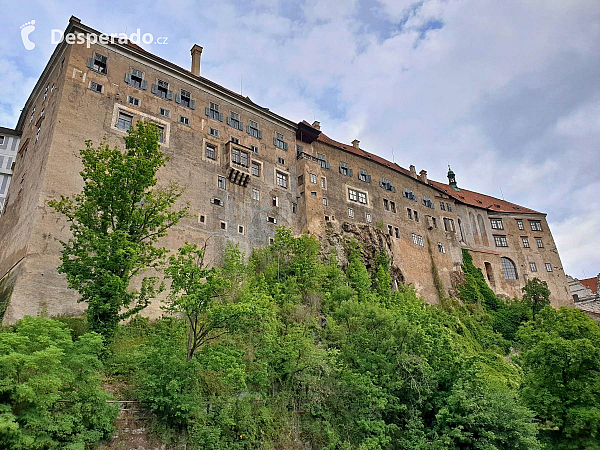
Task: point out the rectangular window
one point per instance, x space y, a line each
313 178
271 219
252 129
410 213
536 225
216 201
221 182
96 87
280 160
240 229
213 132
223 225
2 140
442 207
391 230
133 101
427 202
540 244
387 185
324 201
234 140
344 169
211 151
255 194
420 239
364 176
548 267
239 157
255 169
300 179
313 194
164 112
323 161
124 121
386 204
397 232
323 185
416 216
186 99
234 121
434 220
520 224
351 213
525 241
136 78
449 207
294 208
281 179
276 201
441 248
201 218
497 224
362 198
533 267
99 63
353 195
369 218
414 239
184 121
161 133
393 207
254 149
213 112
162 89
409 194
500 241
279 142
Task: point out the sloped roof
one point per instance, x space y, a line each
590 283
465 196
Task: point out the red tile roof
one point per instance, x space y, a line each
483 201
590 283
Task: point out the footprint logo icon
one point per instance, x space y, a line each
26 30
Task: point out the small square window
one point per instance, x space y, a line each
240 229
271 240
96 87
548 267
254 149
161 133
184 121
280 160
533 267
324 201
271 219
313 194
255 169
216 201
223 225
525 241
235 140
540 244
213 132
201 218
281 179
164 112
441 248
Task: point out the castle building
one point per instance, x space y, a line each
9 143
246 171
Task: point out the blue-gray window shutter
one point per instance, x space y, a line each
275 142
207 111
259 134
192 104
368 178
327 165
349 172
169 95
285 145
229 121
90 63
177 98
128 78
154 89
220 117
144 85
241 126
248 129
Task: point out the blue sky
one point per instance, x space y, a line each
507 92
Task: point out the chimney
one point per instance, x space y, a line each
316 125
196 52
423 176
355 143
413 171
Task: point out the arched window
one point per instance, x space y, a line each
509 270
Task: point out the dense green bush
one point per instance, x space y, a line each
50 394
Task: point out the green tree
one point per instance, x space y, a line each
536 295
561 361
383 279
196 293
357 273
50 394
116 222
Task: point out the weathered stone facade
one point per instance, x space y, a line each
275 172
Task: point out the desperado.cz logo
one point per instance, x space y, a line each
57 36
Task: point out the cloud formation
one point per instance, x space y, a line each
506 92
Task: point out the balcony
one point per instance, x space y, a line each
238 164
